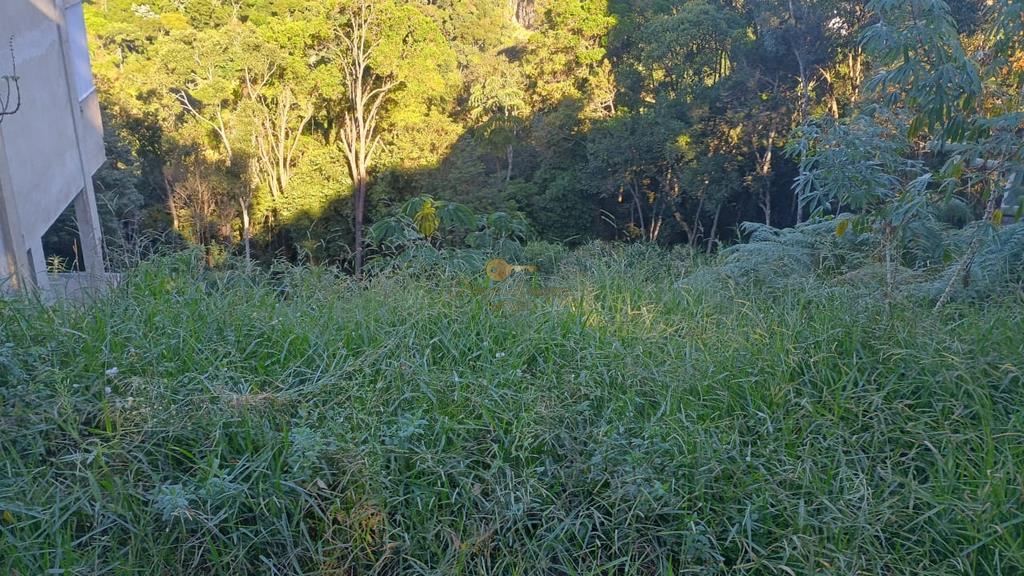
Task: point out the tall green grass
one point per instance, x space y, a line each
603 419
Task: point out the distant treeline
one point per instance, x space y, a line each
279 126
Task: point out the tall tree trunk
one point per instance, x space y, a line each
655 228
171 209
696 230
280 121
634 188
360 215
804 98
714 229
764 169
855 60
833 100
246 230
366 93
523 12
508 174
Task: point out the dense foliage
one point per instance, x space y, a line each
666 121
580 422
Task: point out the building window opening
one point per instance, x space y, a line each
62 246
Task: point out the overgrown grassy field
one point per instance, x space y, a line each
604 418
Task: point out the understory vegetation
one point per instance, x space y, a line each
708 420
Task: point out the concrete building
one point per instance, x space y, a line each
51 138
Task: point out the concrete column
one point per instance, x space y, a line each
89 230
37 265
7 267
14 270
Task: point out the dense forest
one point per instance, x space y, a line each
278 127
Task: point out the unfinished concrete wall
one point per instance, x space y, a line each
51 147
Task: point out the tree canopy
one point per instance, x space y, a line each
667 121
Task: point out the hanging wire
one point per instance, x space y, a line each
11 85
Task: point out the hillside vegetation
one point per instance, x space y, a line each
293 421
259 127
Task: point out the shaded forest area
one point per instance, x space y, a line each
240 123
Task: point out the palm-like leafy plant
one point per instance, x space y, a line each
425 226
938 124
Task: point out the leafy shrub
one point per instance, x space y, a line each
778 256
429 234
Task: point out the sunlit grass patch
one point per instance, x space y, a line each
601 418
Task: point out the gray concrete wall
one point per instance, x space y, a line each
42 154
52 146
